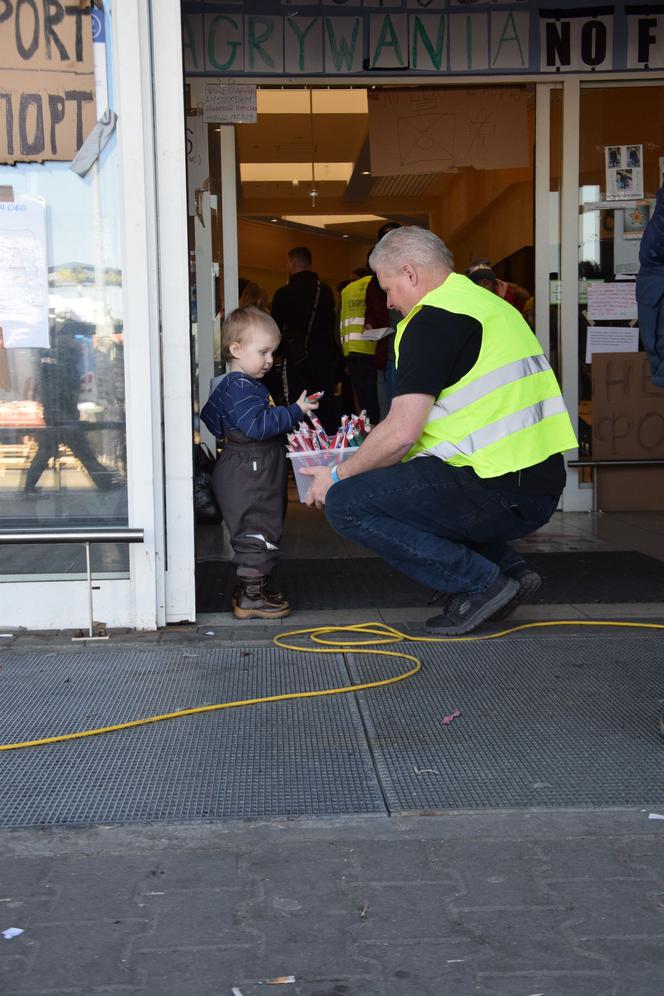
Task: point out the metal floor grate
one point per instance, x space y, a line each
546 721
306 757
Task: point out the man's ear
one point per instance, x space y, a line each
411 273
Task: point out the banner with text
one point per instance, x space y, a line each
418 37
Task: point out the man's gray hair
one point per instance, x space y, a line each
411 245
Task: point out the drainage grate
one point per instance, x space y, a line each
566 721
546 721
306 757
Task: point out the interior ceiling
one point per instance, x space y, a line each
305 163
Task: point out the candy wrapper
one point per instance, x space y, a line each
309 438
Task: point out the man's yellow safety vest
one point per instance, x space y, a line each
351 324
507 412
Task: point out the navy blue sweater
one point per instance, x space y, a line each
242 403
650 291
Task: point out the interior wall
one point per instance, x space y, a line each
490 213
263 252
499 231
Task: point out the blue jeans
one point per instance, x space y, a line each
436 523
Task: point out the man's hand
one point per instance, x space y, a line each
386 444
320 485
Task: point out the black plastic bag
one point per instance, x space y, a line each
206 509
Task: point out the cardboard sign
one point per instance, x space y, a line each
47 81
628 410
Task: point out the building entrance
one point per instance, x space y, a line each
324 169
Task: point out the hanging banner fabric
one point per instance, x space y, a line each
47 80
418 37
436 131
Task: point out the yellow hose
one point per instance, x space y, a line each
321 635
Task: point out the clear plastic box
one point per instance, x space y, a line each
316 458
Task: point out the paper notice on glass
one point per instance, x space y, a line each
624 172
228 103
23 273
611 339
612 302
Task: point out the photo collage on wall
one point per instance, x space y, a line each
624 172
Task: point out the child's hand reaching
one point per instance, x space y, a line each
306 406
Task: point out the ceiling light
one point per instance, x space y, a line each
366 172
295 172
325 220
335 100
274 219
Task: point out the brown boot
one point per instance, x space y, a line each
254 602
273 596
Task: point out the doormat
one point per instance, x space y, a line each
368 582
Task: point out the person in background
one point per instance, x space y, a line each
480 272
650 302
529 312
253 295
650 291
305 313
59 394
250 476
358 349
470 454
379 316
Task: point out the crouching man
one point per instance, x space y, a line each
469 456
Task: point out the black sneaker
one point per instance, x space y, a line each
529 583
467 610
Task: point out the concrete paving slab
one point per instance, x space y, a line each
461 904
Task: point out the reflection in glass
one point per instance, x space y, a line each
62 412
615 120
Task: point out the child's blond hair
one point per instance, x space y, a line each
239 325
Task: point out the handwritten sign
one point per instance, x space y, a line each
628 410
47 82
228 104
441 37
612 302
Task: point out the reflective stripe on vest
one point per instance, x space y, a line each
486 384
351 324
498 430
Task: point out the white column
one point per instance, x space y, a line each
133 103
199 193
574 499
229 216
542 235
173 263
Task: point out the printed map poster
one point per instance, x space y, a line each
23 273
624 172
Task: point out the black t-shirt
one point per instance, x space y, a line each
439 348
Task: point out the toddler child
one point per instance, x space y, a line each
250 476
